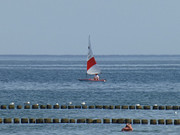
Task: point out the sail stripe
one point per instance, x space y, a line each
91 62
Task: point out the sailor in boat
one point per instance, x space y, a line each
96 77
128 127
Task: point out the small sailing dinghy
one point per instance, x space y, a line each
92 67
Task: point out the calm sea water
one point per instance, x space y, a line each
145 80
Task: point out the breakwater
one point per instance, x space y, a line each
90 121
30 120
130 107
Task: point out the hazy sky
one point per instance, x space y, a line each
116 26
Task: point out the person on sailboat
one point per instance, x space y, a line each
96 77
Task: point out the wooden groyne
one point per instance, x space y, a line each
130 107
89 121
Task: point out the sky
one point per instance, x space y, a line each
116 27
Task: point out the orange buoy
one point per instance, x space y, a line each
128 127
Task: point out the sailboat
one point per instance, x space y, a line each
92 67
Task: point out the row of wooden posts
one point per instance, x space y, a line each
36 106
89 121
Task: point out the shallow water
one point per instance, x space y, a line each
145 80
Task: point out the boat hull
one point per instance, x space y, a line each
92 80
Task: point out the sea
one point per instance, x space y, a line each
51 79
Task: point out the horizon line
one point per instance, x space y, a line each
85 55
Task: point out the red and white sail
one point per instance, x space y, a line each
92 67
